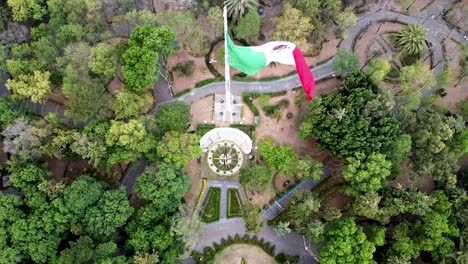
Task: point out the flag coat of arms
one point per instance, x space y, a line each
251 60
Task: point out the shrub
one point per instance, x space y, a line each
184 69
202 129
186 91
271 109
249 103
220 55
410 59
281 258
234 204
393 73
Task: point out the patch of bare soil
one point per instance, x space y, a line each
410 6
115 85
3 156
424 184
202 110
191 197
455 93
457 16
200 73
283 182
338 200
260 199
235 253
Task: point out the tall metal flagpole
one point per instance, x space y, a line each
227 76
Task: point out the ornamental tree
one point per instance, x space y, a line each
216 20
303 205
160 39
346 243
417 76
179 148
346 19
253 218
366 173
22 10
356 118
34 87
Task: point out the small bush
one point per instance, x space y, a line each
393 73
184 69
186 91
271 109
220 55
441 92
410 59
281 258
209 252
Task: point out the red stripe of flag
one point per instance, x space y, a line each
304 72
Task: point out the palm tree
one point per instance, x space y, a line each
237 8
411 39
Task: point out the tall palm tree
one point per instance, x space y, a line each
238 8
411 39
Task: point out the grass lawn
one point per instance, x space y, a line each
235 253
234 207
211 205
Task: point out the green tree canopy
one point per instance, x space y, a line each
252 218
248 27
377 69
417 76
303 205
346 243
179 148
256 177
356 118
345 62
164 185
366 173
238 8
140 69
282 158
167 113
34 87
129 104
293 26
103 60
216 20
160 39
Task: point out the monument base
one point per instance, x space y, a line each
223 113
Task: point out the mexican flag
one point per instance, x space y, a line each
251 60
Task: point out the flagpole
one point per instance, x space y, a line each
227 76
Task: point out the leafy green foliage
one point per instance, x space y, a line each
377 69
356 118
417 76
130 140
293 26
303 205
253 219
309 169
164 185
34 87
282 158
210 211
248 27
103 60
160 39
345 62
346 19
196 42
129 104
179 148
167 113
22 10
366 173
140 69
347 243
256 177
216 20
9 111
282 228
188 226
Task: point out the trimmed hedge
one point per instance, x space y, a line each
234 206
242 126
210 252
208 81
202 129
186 91
210 210
249 103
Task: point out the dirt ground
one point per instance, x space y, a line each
415 6
115 85
200 73
262 199
338 200
191 197
457 16
252 255
280 180
424 184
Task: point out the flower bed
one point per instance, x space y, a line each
210 210
234 206
201 193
